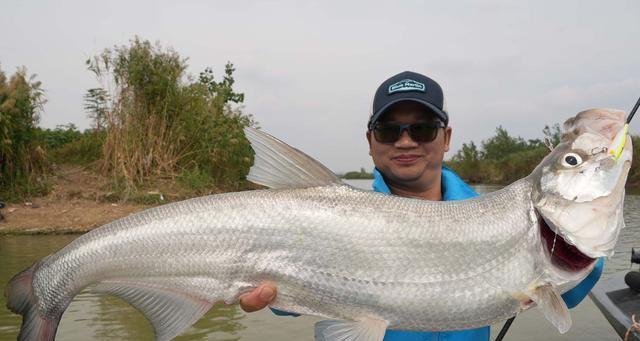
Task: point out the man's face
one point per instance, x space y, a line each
407 163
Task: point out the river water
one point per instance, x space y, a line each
101 317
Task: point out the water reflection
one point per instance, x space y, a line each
222 322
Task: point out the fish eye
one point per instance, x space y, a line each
571 160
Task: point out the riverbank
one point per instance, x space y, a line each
77 203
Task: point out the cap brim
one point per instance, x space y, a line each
441 114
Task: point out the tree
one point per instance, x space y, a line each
468 153
221 92
95 102
501 145
467 162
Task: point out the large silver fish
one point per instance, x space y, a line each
366 261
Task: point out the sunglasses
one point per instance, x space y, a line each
420 132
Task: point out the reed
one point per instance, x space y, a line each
23 164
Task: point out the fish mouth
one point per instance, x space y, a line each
563 254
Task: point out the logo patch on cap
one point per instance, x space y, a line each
406 85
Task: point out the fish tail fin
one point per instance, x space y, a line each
21 300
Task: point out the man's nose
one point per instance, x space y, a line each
405 140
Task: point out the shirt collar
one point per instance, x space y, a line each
453 188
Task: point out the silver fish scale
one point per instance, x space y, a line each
333 251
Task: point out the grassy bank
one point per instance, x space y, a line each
152 124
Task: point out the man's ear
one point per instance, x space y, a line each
447 138
369 140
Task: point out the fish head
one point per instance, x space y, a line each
579 186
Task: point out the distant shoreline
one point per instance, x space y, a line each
361 175
72 208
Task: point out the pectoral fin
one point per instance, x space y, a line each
552 306
365 329
169 310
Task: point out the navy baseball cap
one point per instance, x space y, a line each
409 86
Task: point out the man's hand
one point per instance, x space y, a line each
258 298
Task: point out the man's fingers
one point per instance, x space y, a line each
258 298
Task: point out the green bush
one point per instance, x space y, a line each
199 181
84 150
160 122
55 138
520 164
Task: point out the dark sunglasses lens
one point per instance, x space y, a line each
423 132
419 132
386 133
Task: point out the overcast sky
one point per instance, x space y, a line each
309 68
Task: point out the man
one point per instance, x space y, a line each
408 134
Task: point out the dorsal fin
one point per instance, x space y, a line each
278 165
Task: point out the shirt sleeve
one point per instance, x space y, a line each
577 294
